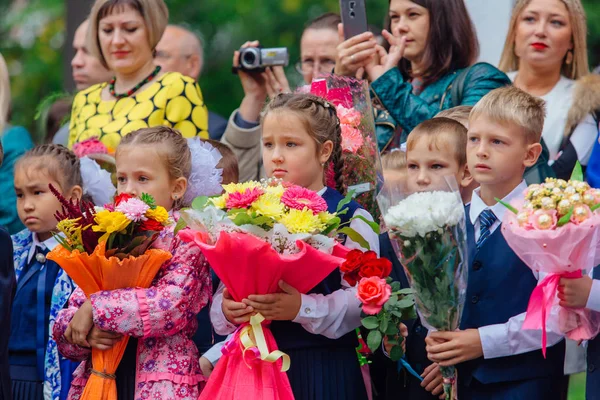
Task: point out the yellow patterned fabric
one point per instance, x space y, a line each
172 100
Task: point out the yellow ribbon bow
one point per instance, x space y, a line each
248 343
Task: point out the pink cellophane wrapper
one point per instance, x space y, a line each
362 169
247 265
569 251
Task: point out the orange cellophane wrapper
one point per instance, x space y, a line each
94 273
248 265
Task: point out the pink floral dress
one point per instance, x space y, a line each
162 317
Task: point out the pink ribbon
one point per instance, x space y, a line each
541 302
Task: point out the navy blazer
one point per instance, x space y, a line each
8 285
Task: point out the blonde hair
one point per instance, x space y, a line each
4 94
394 160
320 120
60 163
440 131
170 145
459 114
154 12
511 105
575 70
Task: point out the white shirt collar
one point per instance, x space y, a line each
322 191
478 206
49 244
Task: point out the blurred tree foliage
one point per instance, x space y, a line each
31 38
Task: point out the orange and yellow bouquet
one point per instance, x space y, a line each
107 250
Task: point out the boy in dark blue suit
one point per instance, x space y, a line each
496 359
580 293
8 285
436 149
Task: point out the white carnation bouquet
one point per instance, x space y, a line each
428 233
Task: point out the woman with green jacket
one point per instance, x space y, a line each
429 66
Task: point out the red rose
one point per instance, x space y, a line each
122 197
151 225
373 293
379 267
351 267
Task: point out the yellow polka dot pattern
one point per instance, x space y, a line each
172 100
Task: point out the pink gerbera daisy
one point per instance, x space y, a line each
134 209
352 139
299 198
89 146
243 199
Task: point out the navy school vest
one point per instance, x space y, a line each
290 335
499 287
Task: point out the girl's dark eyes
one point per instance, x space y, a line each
19 195
38 192
290 144
437 166
120 179
412 166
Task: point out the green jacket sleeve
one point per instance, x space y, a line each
15 141
410 110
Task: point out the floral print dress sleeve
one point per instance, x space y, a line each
68 350
180 290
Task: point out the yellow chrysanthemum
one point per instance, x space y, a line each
275 190
110 222
325 217
219 202
269 205
304 221
159 214
241 187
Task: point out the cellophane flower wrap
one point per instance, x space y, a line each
255 235
362 169
555 230
428 233
107 250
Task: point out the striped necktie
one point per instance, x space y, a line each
486 220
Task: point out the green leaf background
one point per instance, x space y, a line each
32 39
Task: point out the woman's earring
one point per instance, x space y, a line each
569 59
175 197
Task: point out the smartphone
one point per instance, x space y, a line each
354 17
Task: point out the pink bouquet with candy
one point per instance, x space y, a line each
556 232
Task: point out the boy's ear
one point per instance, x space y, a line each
466 178
75 193
532 155
179 188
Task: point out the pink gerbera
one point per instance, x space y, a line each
243 199
352 139
299 198
134 209
89 146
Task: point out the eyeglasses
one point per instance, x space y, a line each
308 66
166 56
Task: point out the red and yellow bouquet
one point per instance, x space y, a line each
107 250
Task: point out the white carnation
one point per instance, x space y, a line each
425 212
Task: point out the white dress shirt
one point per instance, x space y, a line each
507 339
48 244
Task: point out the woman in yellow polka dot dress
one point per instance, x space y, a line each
123 35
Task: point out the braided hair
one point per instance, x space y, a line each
322 123
60 163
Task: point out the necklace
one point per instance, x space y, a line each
111 85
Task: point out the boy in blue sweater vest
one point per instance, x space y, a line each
496 359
